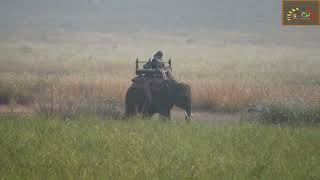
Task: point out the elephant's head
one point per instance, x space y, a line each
180 95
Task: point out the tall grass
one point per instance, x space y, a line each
213 95
224 77
236 95
88 148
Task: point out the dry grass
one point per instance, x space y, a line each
233 96
213 95
223 77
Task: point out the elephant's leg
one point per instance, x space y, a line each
130 110
169 115
148 115
130 102
142 111
140 108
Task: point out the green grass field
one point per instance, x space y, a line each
65 67
91 148
82 77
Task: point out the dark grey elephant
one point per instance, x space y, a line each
149 101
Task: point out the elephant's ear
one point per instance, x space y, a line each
166 87
173 89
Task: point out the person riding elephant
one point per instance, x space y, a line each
149 101
157 63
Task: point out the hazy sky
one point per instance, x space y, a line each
250 16
151 12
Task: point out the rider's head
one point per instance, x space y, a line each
159 55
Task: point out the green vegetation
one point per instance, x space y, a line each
91 148
66 65
12 92
280 113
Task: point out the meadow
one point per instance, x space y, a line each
65 98
94 148
225 76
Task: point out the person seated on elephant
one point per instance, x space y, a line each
157 63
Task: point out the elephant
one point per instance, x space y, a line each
148 100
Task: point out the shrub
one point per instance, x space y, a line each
9 92
279 113
67 109
5 93
283 110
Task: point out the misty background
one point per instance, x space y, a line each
246 21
